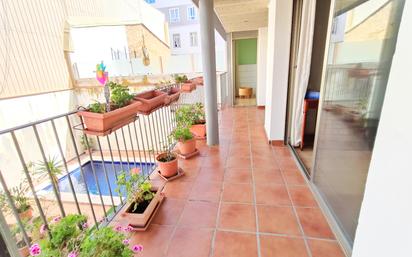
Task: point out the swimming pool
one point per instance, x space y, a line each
80 186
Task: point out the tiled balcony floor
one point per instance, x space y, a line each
243 198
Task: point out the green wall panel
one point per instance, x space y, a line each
246 51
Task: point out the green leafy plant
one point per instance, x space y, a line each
105 242
182 133
87 144
18 196
54 165
136 187
97 107
188 115
119 95
180 78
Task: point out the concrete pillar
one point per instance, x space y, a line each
207 36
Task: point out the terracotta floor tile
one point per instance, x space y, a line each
154 240
323 248
229 244
302 196
190 175
238 175
206 191
267 177
272 194
213 161
293 178
238 162
199 215
242 193
240 217
169 212
178 189
314 223
273 246
211 174
282 152
287 163
188 242
278 220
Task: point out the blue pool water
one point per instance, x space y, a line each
80 186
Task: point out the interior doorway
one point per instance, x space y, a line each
245 69
302 112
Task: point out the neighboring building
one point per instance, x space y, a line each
184 28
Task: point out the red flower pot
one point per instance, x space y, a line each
150 100
105 123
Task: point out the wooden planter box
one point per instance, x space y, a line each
188 87
102 124
141 221
151 100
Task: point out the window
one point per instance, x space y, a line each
174 15
176 40
193 38
191 13
150 1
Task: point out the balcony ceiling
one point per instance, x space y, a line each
242 15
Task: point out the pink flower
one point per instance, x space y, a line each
128 229
56 219
35 250
85 225
72 254
126 242
137 248
118 228
43 229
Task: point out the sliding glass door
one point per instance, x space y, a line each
362 44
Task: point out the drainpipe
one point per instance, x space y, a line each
207 36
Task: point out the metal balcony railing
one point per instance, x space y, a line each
88 165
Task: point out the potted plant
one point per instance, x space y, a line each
185 84
88 144
185 139
21 201
53 165
173 95
22 247
194 117
150 100
142 198
101 120
71 237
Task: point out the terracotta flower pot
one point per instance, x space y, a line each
199 130
141 220
150 100
187 147
24 251
167 169
173 94
26 215
188 87
198 81
105 123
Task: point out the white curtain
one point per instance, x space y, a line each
302 68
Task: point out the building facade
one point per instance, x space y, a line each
184 27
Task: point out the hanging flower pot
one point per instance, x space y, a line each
173 95
188 87
151 100
105 123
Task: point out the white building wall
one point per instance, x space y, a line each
262 43
385 219
279 33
